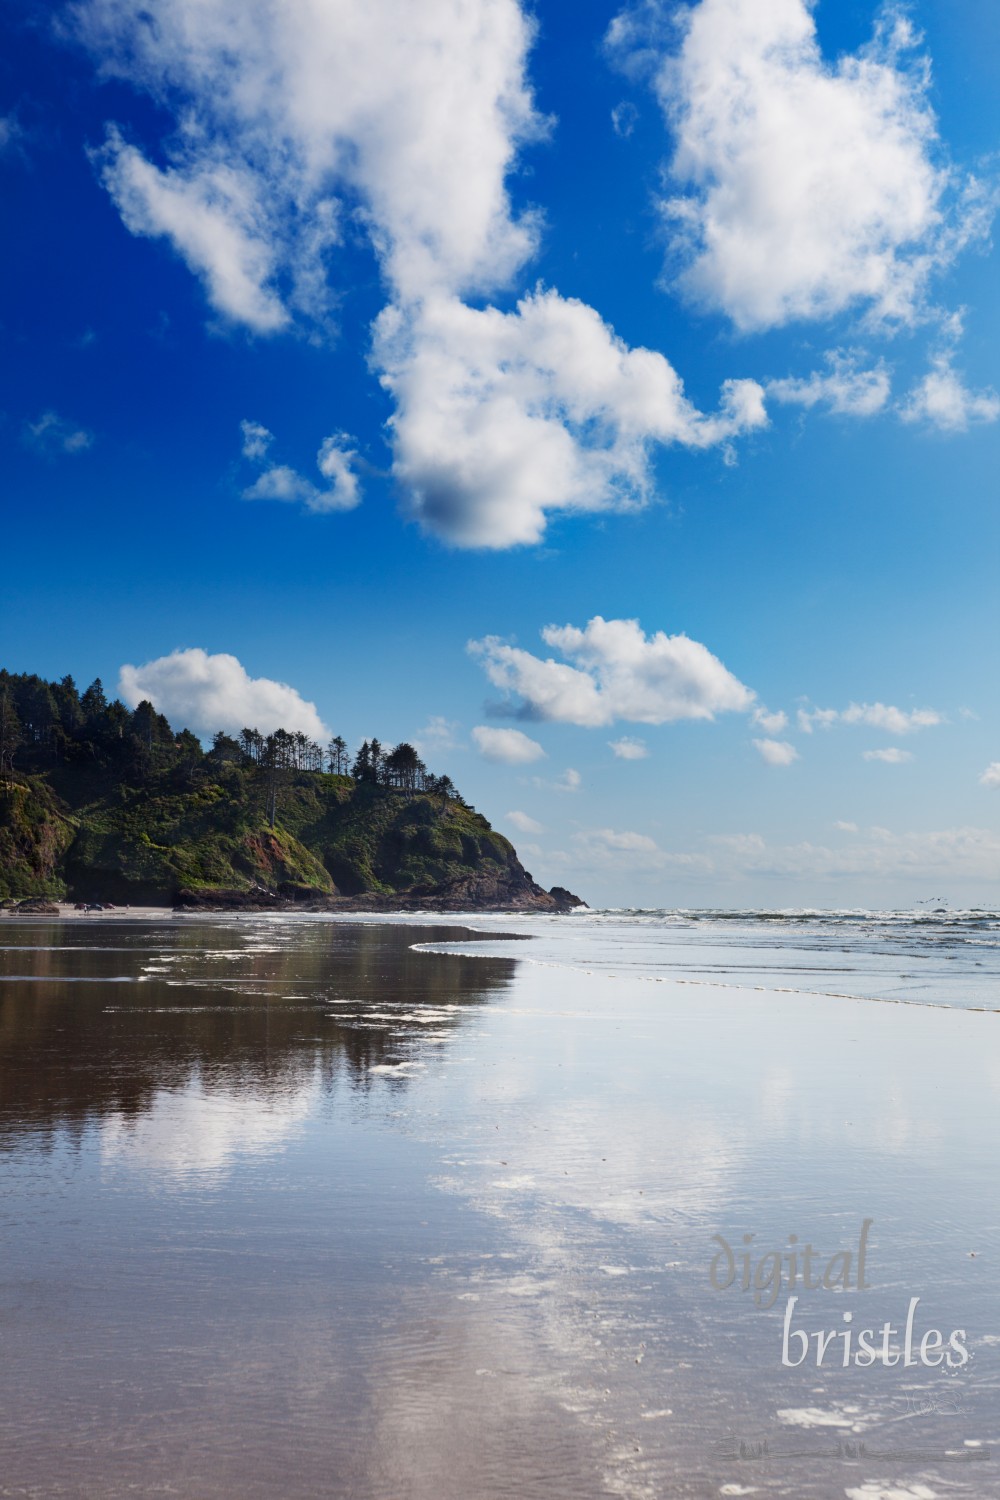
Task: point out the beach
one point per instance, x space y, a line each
448 1207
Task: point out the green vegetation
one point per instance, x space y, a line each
98 802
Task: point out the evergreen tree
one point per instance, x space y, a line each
337 753
362 767
94 703
10 734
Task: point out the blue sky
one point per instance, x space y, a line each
339 335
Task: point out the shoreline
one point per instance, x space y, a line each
66 911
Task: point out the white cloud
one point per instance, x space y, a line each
438 734
210 212
504 418
878 853
508 746
991 776
628 748
256 439
206 692
776 752
614 671
409 117
611 850
11 134
844 388
569 781
334 461
414 112
874 715
846 827
612 840
943 400
623 119
807 186
891 756
771 723
51 434
523 823
199 1132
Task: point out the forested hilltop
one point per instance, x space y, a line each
99 802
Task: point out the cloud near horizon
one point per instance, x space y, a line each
205 693
874 715
612 670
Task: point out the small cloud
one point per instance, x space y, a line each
51 434
569 781
256 439
846 827
334 460
844 388
770 723
944 401
874 715
776 752
626 840
438 733
893 756
523 823
968 713
991 776
10 133
509 747
623 119
629 749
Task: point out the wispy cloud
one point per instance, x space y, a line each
335 461
52 434
569 781
845 387
874 715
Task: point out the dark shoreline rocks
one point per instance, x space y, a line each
473 894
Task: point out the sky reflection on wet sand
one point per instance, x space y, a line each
299 1210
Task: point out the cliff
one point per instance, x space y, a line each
130 813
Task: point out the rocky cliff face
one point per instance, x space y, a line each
202 839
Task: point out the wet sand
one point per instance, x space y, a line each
290 1208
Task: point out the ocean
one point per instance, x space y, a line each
500 1206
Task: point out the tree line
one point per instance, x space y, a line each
42 722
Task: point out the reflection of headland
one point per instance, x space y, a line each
95 1023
